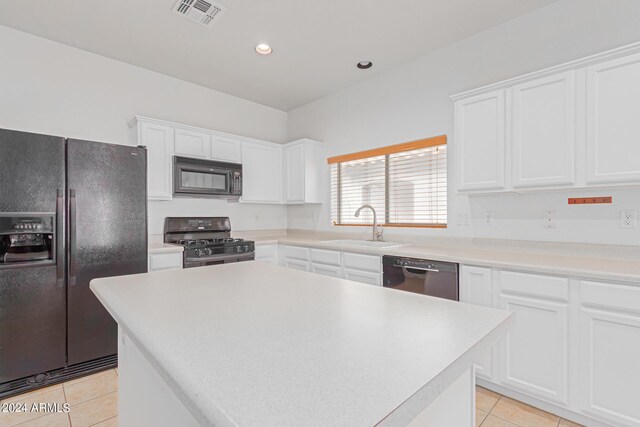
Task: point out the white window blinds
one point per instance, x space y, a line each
406 184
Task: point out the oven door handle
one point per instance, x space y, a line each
211 258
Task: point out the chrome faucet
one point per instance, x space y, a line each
376 234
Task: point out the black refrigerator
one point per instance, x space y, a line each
70 211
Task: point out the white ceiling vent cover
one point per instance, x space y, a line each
201 11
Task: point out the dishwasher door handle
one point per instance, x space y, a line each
421 269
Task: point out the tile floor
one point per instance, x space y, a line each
93 402
495 410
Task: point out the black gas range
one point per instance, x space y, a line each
207 241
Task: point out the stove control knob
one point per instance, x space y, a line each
246 248
207 251
198 252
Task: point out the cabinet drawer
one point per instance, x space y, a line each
325 257
266 251
165 261
621 297
326 270
296 252
362 276
553 287
295 264
362 262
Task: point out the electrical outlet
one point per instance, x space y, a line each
488 219
628 219
550 218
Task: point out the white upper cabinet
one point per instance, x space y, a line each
262 161
574 125
613 121
294 173
190 143
159 142
543 131
226 149
303 171
262 173
480 141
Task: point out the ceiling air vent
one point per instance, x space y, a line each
200 11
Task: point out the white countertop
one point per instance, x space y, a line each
597 262
158 248
254 344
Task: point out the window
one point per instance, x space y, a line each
406 184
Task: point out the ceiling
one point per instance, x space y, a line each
316 44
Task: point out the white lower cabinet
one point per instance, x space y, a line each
165 261
267 253
476 288
534 355
357 267
609 354
574 343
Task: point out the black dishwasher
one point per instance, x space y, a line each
421 276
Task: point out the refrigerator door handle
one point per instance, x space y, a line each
72 237
59 238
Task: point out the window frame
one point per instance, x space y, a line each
436 141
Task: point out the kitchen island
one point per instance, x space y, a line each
253 344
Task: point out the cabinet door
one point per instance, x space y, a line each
168 261
294 169
610 352
326 270
262 173
159 142
613 108
475 288
296 264
192 144
226 149
267 253
362 276
533 357
543 131
480 141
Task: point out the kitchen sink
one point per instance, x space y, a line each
365 243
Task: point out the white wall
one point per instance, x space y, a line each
412 102
50 88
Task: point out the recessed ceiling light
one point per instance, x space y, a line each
363 65
264 49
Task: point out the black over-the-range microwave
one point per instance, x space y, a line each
206 178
